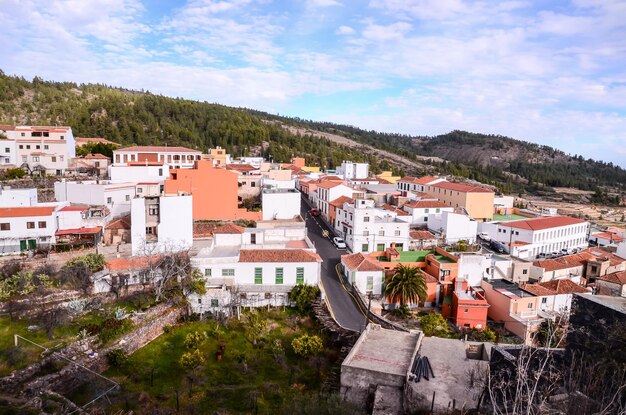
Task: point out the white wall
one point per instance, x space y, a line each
351 170
18 197
359 279
8 152
280 204
474 267
280 184
455 226
139 174
116 197
621 250
10 239
503 201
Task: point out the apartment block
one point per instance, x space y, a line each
477 201
176 157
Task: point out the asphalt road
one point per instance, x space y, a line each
342 306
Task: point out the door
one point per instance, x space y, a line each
32 244
22 244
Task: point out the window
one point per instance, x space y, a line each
24 159
253 238
426 210
530 305
396 233
199 300
127 198
42 224
228 272
381 232
252 184
21 147
366 219
46 147
7 150
524 271
425 218
139 190
37 147
215 302
370 283
258 275
365 247
366 233
5 226
380 247
466 310
544 300
437 210
207 272
160 172
54 159
62 137
30 225
23 134
279 275
35 159
299 275
27 146
153 210
109 200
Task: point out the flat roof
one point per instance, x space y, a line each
382 350
614 303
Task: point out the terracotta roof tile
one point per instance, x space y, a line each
419 180
74 208
94 157
462 187
26 211
121 223
329 184
608 235
358 262
396 210
421 235
79 231
229 228
158 149
554 287
240 167
125 264
615 278
538 224
278 255
426 204
338 203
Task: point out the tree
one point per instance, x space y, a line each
303 295
256 326
406 285
194 340
434 324
21 283
77 272
306 345
14 173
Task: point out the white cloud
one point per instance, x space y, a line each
322 3
345 30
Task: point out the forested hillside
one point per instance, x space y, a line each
139 117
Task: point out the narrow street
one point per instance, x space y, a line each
342 306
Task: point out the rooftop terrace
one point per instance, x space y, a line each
505 218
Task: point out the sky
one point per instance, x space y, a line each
551 72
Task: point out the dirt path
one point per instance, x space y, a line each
407 164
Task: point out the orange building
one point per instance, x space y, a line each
469 307
214 192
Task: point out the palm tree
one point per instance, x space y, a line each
406 285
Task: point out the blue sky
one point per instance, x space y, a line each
551 72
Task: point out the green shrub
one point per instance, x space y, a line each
112 328
23 283
117 357
303 295
191 360
486 335
434 324
194 340
306 345
14 173
402 312
92 262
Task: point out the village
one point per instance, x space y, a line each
428 285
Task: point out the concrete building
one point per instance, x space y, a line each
161 224
367 228
176 157
477 201
27 228
218 156
469 307
327 192
379 364
214 190
417 184
606 238
139 173
45 149
115 196
420 210
555 297
17 197
367 275
453 227
93 164
528 238
613 284
280 203
350 170
8 153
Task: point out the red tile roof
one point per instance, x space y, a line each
158 149
124 264
229 228
278 255
74 208
396 210
359 262
554 287
94 156
538 224
615 278
26 211
329 184
421 235
79 231
462 187
579 259
426 204
240 167
608 236
338 203
121 223
419 180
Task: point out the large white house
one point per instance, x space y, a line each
367 228
420 210
453 227
417 184
350 170
39 148
176 157
528 238
366 275
139 173
115 196
161 224
327 192
27 228
18 197
280 203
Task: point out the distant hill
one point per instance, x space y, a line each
139 117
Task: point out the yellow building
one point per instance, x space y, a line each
476 200
311 169
387 175
218 155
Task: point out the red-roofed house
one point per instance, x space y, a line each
328 191
363 272
556 295
177 157
476 200
421 209
469 307
26 228
417 184
606 238
612 284
95 164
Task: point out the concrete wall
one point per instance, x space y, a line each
280 204
17 197
137 174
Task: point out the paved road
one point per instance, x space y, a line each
342 305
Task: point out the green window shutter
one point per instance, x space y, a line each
299 275
370 283
279 275
258 275
365 247
207 272
214 302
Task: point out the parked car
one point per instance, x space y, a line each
484 236
339 242
314 212
497 247
543 255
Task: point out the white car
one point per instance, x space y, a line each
484 236
339 242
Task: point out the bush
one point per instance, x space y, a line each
191 360
14 173
117 357
306 345
112 328
434 324
22 283
194 340
77 271
401 312
486 335
303 296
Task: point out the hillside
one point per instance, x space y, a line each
139 117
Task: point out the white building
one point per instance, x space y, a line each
420 210
27 228
41 148
328 191
115 196
417 184
621 250
529 237
176 157
453 227
150 172
18 197
503 202
161 224
8 152
255 266
350 170
367 228
556 295
363 273
280 203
